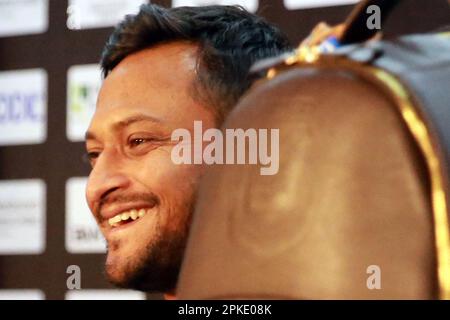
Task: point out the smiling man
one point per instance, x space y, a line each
164 69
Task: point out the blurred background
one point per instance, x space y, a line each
49 80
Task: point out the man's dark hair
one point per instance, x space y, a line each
230 40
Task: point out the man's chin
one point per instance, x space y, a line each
116 274
150 265
147 274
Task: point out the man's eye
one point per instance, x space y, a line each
91 157
138 141
141 144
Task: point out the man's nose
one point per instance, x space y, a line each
107 176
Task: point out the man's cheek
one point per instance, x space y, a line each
162 172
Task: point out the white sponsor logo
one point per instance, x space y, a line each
23 107
86 14
83 85
21 294
250 5
303 4
22 217
104 294
19 17
82 232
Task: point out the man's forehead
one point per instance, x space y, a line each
165 56
156 82
124 121
150 73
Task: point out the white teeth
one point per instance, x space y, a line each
133 214
115 220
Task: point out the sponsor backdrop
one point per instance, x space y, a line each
49 80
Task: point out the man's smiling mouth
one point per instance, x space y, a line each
127 217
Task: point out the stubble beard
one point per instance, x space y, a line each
155 268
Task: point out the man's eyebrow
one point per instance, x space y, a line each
89 136
135 118
126 122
